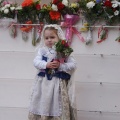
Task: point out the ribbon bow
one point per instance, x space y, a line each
69 21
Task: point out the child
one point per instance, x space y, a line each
50 98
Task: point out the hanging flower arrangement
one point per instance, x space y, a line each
8 9
61 12
94 10
28 11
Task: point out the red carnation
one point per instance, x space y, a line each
60 6
54 15
38 7
63 42
108 3
26 3
55 2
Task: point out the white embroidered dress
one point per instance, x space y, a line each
46 98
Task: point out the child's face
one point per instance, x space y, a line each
50 37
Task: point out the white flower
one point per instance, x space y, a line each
90 4
114 5
116 12
3 8
54 7
12 8
7 5
19 8
65 2
6 11
116 2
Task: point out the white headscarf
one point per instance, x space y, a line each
59 33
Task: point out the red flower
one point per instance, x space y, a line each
60 6
55 2
108 3
27 3
54 15
63 42
38 7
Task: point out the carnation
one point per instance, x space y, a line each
12 8
116 12
90 4
54 15
108 3
60 6
65 2
6 11
19 8
54 7
7 5
114 5
3 8
55 2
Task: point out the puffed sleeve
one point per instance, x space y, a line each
69 65
38 62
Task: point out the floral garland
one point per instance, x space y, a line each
107 10
61 12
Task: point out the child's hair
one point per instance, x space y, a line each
52 28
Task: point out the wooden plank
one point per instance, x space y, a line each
109 46
94 68
17 65
15 92
13 113
83 115
7 43
96 97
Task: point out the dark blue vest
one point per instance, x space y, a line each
53 73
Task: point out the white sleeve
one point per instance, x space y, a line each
38 62
69 65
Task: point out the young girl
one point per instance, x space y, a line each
52 97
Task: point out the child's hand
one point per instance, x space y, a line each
54 64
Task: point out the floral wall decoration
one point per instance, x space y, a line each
31 16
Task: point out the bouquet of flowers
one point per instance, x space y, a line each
7 9
28 11
56 10
63 50
94 10
63 7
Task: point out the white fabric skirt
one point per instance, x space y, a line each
50 101
45 98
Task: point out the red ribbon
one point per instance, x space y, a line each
105 32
